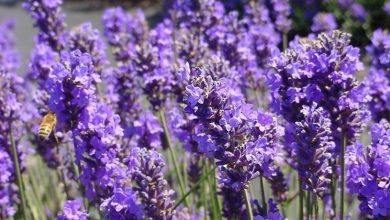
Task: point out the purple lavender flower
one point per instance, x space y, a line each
123 31
313 146
152 62
12 117
95 128
369 174
122 205
183 128
201 15
262 39
73 211
71 88
97 150
50 21
358 11
321 71
378 79
87 39
345 4
7 177
379 50
233 204
386 7
241 140
146 168
124 93
9 57
272 213
323 22
147 131
281 12
43 60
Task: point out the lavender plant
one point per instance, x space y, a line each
12 97
321 71
255 126
369 172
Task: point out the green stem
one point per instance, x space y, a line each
315 206
173 154
61 177
308 205
285 42
263 200
333 183
300 200
194 187
248 204
214 198
342 167
18 174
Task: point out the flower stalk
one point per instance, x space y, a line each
18 174
247 204
173 154
342 182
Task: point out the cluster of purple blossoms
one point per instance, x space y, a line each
245 42
323 22
261 38
147 131
355 8
71 88
386 7
122 205
87 39
243 141
378 78
233 204
369 172
280 13
94 126
7 178
272 213
43 60
314 89
12 117
321 71
146 168
153 61
73 210
49 20
126 33
313 146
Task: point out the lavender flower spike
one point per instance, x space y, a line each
50 21
324 22
73 211
12 117
87 39
146 168
314 147
369 172
122 205
282 11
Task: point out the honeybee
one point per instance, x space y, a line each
48 126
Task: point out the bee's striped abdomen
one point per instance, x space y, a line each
44 131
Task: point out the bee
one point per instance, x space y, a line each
48 126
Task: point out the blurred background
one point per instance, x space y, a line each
77 12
